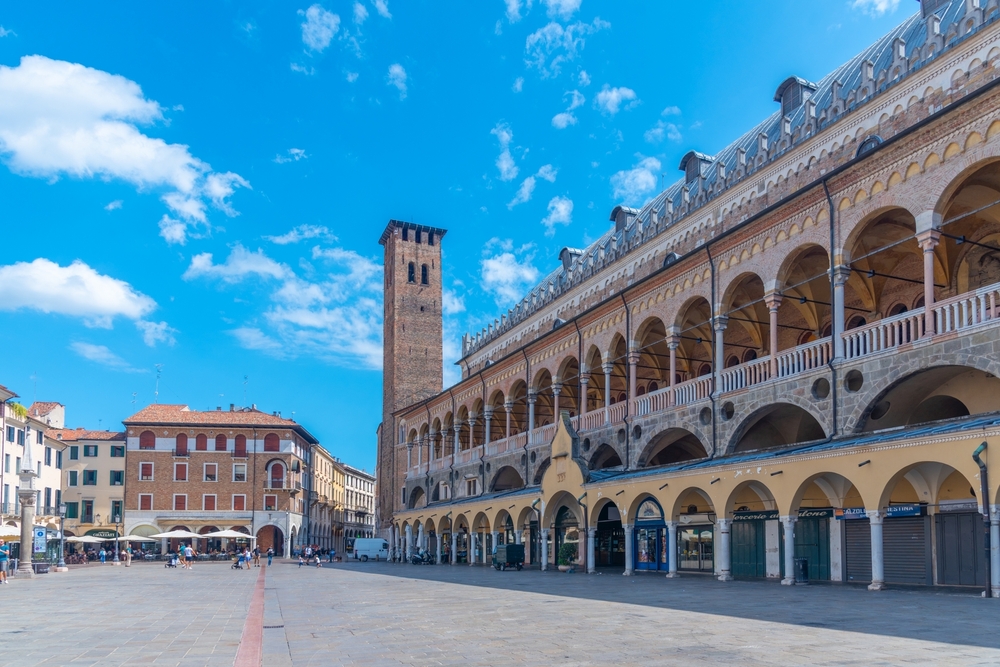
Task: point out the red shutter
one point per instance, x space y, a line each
272 443
239 503
180 502
146 471
241 444
209 503
201 442
145 502
220 443
147 440
182 443
180 472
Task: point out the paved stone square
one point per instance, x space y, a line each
383 614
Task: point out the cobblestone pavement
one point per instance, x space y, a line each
376 614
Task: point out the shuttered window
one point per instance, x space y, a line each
146 472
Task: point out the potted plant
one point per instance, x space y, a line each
567 557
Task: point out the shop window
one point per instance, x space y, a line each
208 503
272 443
211 472
147 440
180 472
145 472
146 501
201 442
220 443
239 503
90 478
180 502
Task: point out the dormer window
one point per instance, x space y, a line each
694 165
622 216
792 92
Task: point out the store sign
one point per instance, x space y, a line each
810 513
772 515
904 510
850 513
103 534
39 541
958 506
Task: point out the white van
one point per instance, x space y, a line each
374 548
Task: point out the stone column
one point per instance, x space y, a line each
26 494
878 569
671 549
440 543
723 552
532 399
584 381
420 451
471 558
458 434
788 523
472 430
409 456
486 548
454 545
608 368
518 536
928 241
629 550
773 302
591 550
556 390
633 369
431 446
508 407
543 557
840 276
409 541
420 538
995 549
720 324
673 342
487 424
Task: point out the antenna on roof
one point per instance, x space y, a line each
246 378
133 402
156 393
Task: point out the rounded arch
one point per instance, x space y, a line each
617 360
636 505
673 445
598 508
559 500
803 281
517 399
604 457
594 365
417 499
692 501
694 327
751 495
503 521
540 470
653 372
929 483
481 522
201 442
507 478
825 489
776 425
962 178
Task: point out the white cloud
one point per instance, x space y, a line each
584 78
319 27
113 206
553 45
518 84
631 186
561 9
661 131
100 354
360 13
671 111
302 69
156 332
76 290
610 100
507 273
563 120
299 233
397 78
382 7
59 118
4 32
547 172
240 264
173 230
505 162
292 155
451 302
351 77
513 8
876 8
560 213
576 99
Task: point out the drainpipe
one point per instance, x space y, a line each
986 516
628 375
581 398
430 453
527 394
486 437
715 371
833 316
454 418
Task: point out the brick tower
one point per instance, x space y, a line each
412 345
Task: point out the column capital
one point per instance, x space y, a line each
557 388
673 342
608 367
592 532
773 300
584 378
532 397
724 523
841 274
876 516
928 239
488 413
720 323
789 519
508 405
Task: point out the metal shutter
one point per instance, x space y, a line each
907 550
858 550
960 553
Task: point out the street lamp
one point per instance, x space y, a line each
117 519
62 535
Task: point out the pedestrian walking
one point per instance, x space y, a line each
4 559
104 556
317 560
329 555
270 555
189 557
301 561
256 556
128 556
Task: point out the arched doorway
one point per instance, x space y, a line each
610 548
695 531
271 537
567 527
650 536
212 545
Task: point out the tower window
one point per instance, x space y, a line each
423 274
430 238
406 235
411 273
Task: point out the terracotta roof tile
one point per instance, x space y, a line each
183 415
42 408
71 434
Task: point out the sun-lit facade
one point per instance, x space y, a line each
789 353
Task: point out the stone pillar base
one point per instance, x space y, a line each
996 593
788 581
876 586
627 573
672 575
725 577
59 569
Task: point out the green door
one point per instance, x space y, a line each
812 542
748 549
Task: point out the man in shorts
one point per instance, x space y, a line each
188 557
4 559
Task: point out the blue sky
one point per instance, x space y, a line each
202 185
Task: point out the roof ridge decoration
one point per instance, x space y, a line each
877 69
